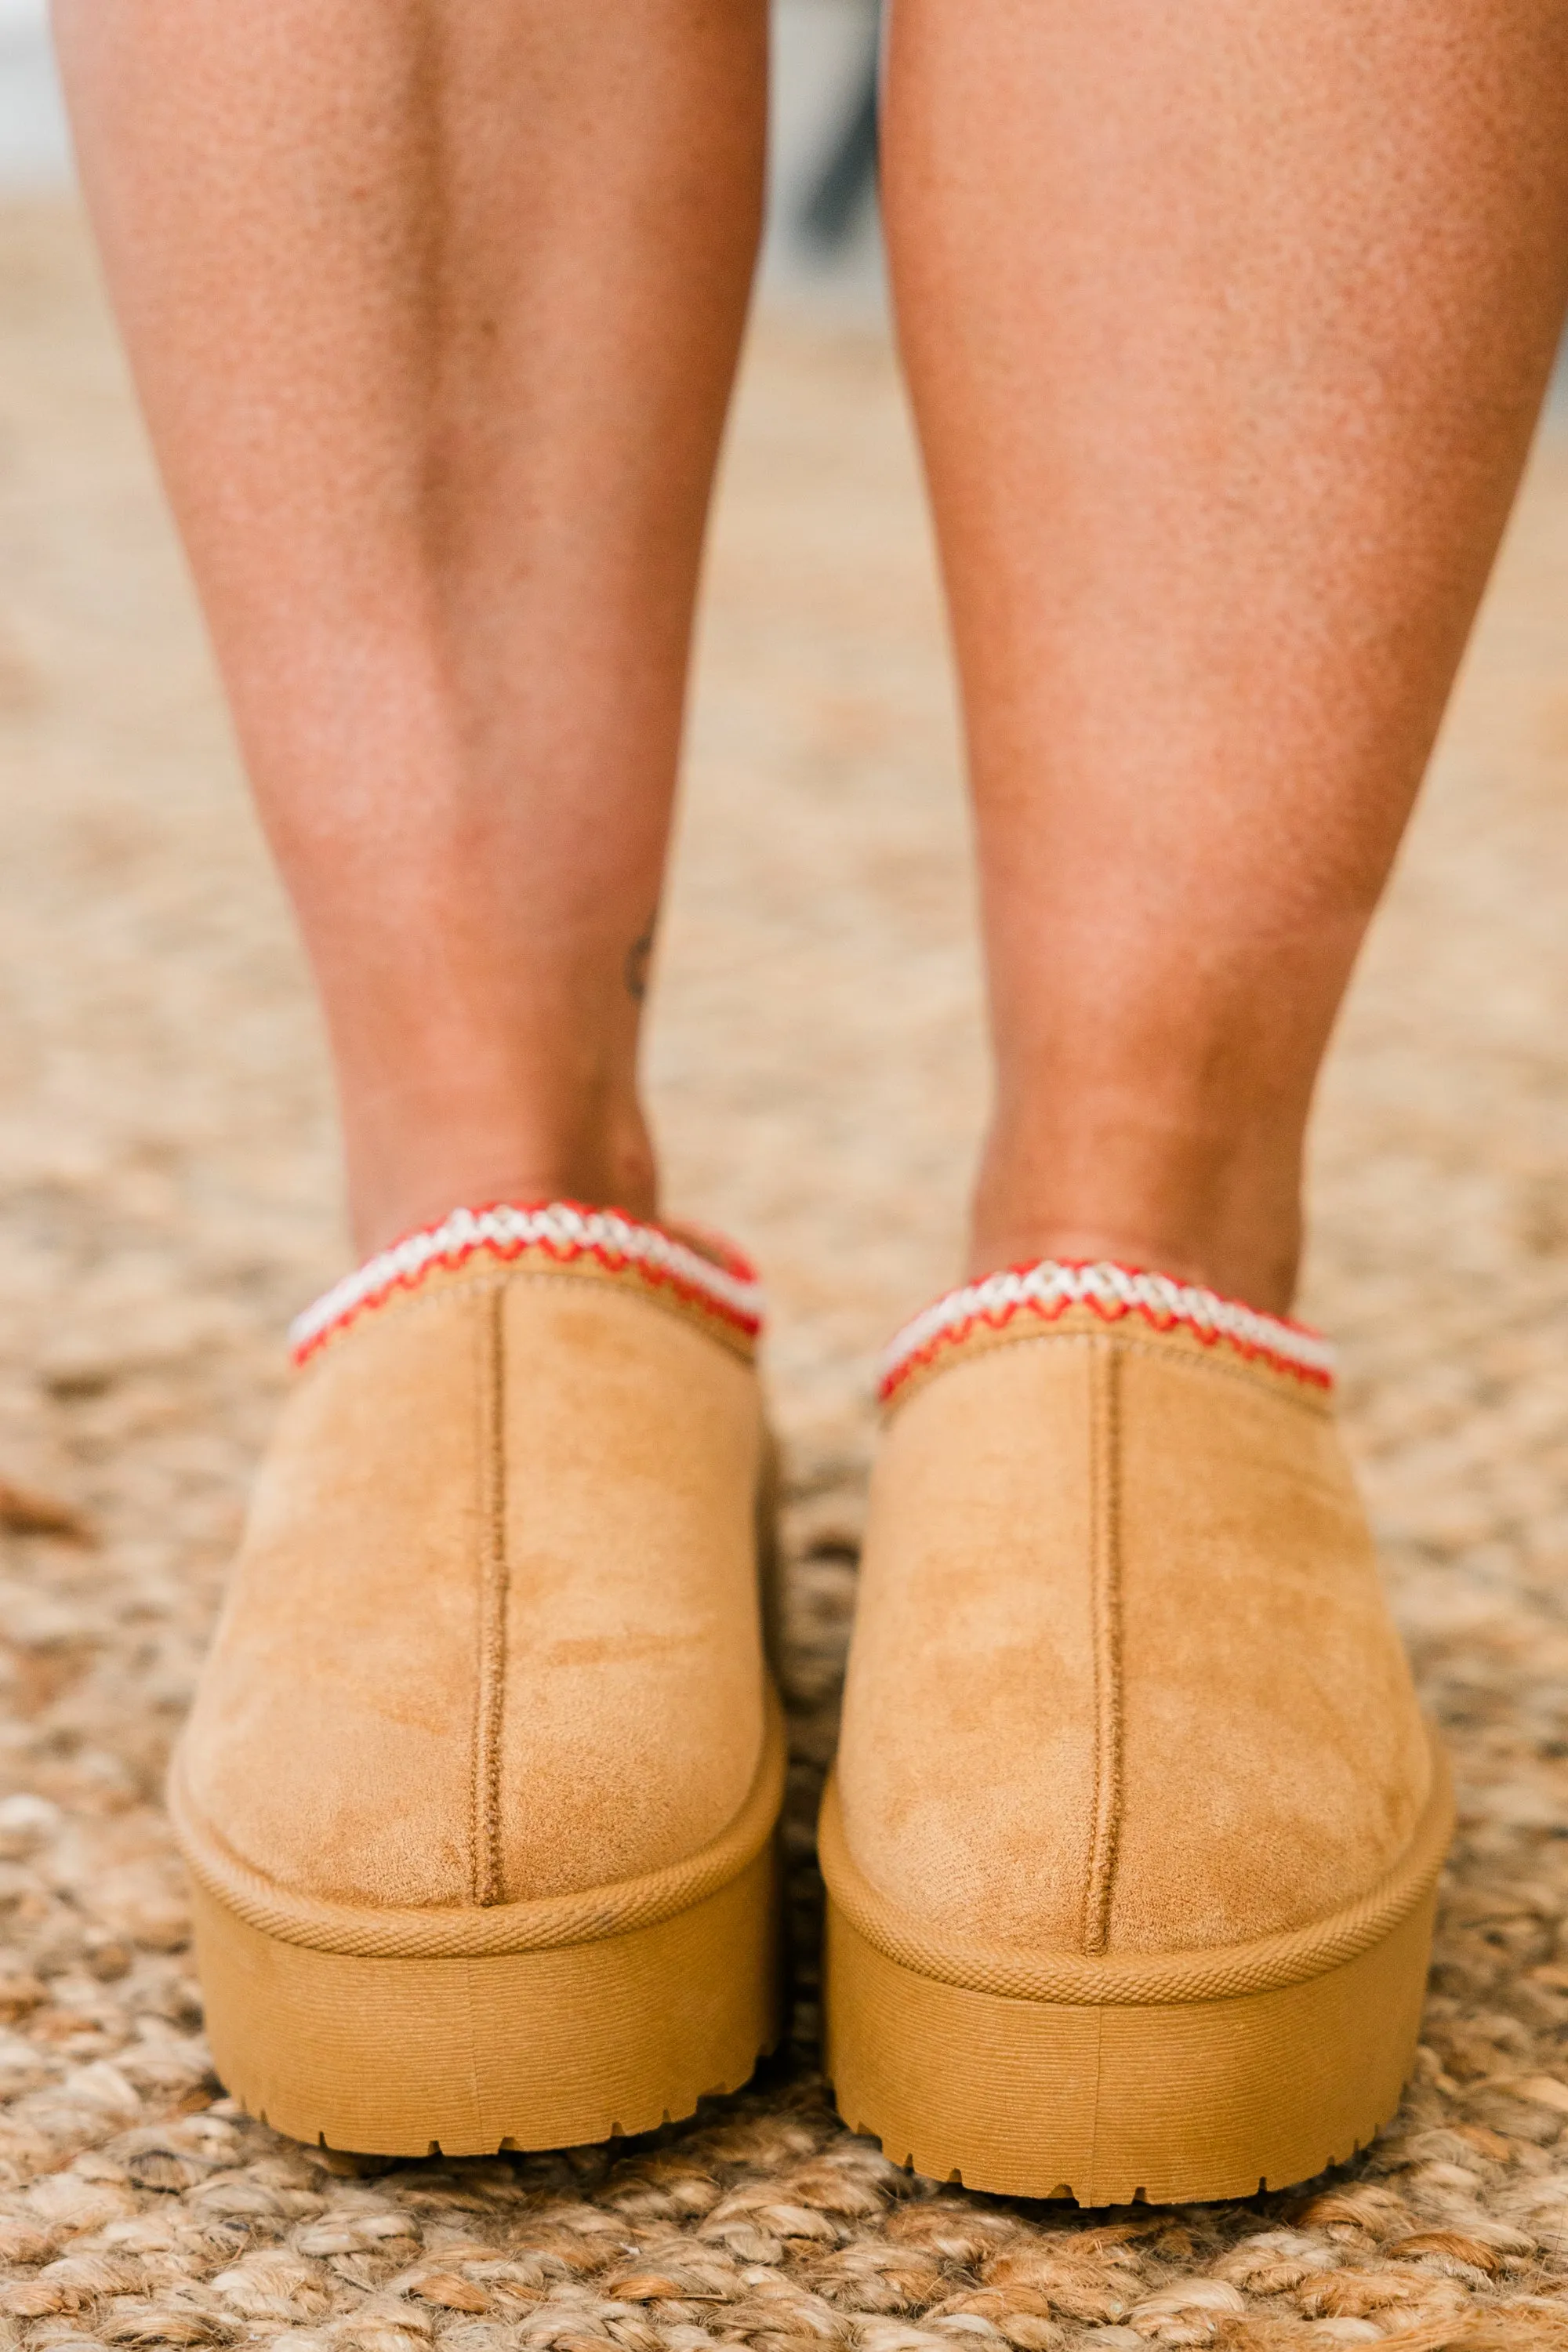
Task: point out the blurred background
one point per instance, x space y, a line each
35 149
169 1189
816 1055
822 232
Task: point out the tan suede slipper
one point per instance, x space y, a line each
1135 1828
480 1786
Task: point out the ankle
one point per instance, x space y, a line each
1236 1230
1256 1278
427 1175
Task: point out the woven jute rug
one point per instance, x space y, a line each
168 1196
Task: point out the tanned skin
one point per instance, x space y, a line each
1226 326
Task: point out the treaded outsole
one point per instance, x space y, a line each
551 2048
1108 2103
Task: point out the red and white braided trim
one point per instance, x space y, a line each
566 1232
1047 1290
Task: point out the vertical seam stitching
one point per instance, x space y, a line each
489 1873
1105 1481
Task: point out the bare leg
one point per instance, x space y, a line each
434 310
1226 325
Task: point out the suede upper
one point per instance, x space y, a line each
1123 1678
493 1630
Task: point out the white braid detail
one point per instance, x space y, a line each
560 1226
1115 1290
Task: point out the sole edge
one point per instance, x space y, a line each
468 2054
1108 2104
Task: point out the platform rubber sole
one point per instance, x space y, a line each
1174 2102
468 2055
1172 2077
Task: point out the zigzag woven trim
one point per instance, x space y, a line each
1048 1289
566 1231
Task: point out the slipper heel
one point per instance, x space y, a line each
1174 2102
471 2054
